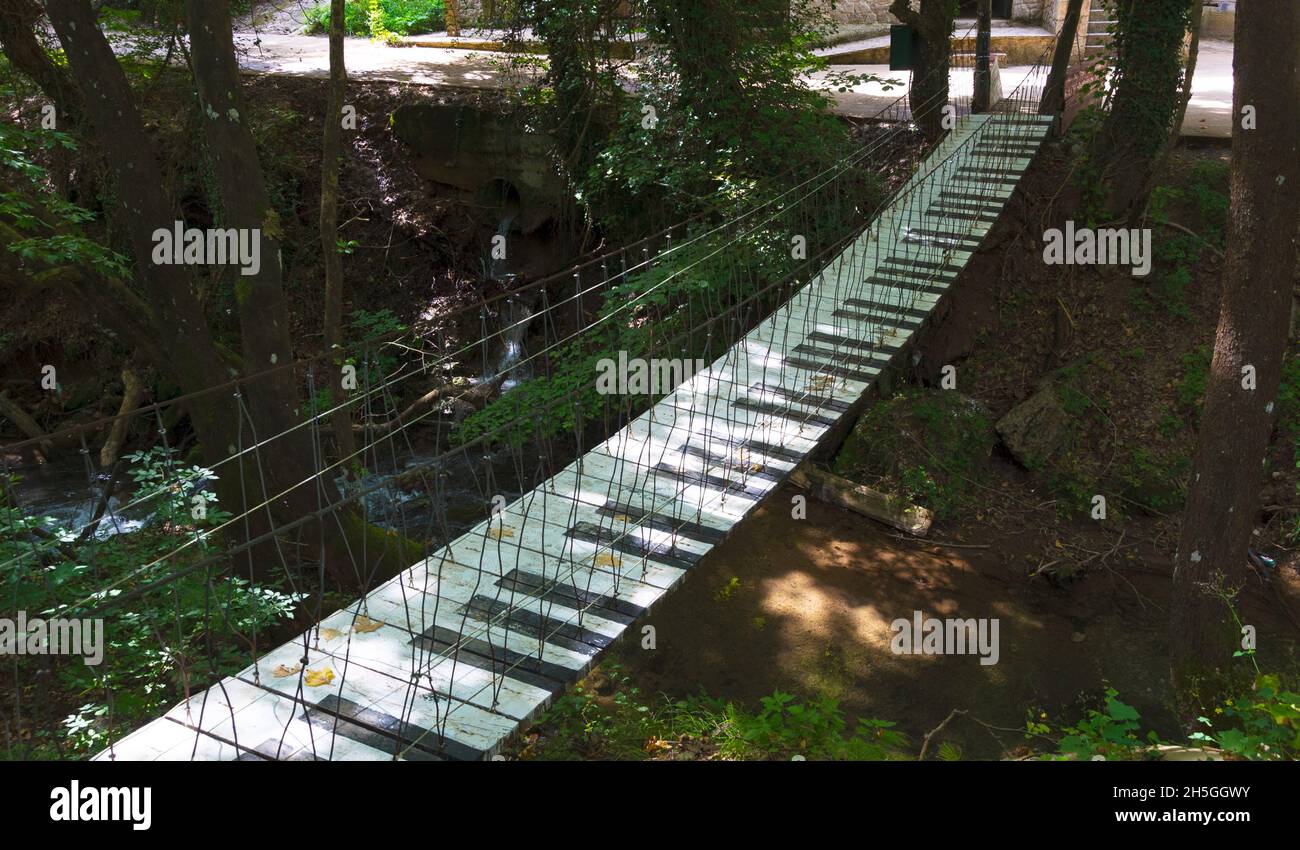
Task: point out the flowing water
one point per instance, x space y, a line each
68 495
515 317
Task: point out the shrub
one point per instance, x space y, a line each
398 17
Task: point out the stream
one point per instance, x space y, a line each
403 496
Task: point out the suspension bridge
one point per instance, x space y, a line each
455 654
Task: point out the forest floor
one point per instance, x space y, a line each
803 606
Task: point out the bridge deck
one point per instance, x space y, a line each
448 659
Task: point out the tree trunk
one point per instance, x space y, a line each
272 399
18 22
29 427
453 17
1176 129
193 361
1223 500
928 95
341 421
1189 73
1143 100
1053 101
132 392
983 99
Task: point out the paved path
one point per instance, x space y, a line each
1209 113
275 51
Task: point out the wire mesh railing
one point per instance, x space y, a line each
695 297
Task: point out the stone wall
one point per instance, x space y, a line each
1217 24
875 13
872 13
1029 10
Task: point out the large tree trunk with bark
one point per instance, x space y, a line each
181 329
288 461
266 403
332 152
1241 391
18 27
932 20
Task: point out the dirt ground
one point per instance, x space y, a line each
805 605
815 598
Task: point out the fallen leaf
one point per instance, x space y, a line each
365 625
498 533
820 382
281 671
331 634
316 678
607 560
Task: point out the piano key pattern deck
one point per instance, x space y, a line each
450 658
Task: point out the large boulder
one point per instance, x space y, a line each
1035 430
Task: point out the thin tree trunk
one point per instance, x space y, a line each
983 99
1193 51
1053 101
1223 501
341 421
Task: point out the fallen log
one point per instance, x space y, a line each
476 396
828 487
26 424
134 391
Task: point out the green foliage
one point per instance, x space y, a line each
784 727
1201 202
732 122
374 328
923 446
721 125
1156 478
50 229
182 633
649 313
1190 391
380 19
1263 725
1111 732
612 719
1147 69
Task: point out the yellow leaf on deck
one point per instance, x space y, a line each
316 678
621 518
820 382
607 560
365 625
498 533
330 634
281 671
